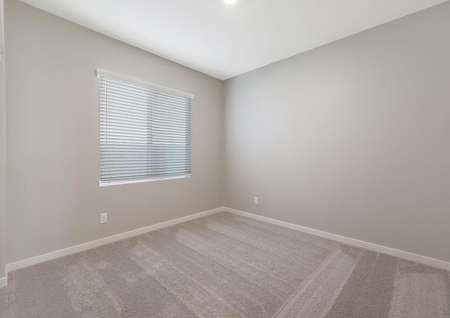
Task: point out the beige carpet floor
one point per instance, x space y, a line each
227 266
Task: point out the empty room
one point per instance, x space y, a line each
224 158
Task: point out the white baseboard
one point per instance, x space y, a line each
3 282
433 262
104 241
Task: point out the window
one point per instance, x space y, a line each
145 131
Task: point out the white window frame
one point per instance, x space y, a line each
102 72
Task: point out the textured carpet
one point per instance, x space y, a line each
227 266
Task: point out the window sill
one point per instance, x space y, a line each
115 183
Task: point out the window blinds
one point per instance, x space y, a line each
145 131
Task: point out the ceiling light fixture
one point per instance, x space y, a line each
230 2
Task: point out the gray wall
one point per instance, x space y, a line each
2 149
54 199
351 138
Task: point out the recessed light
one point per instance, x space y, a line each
230 2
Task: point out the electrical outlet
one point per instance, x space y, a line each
103 218
256 200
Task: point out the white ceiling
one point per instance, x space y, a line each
225 41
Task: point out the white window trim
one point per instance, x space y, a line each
115 183
101 72
133 80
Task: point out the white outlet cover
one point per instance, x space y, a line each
103 218
256 200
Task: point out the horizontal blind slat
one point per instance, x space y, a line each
139 88
156 116
121 96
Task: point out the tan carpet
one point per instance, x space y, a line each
227 266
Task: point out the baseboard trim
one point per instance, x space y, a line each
3 282
104 241
417 258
